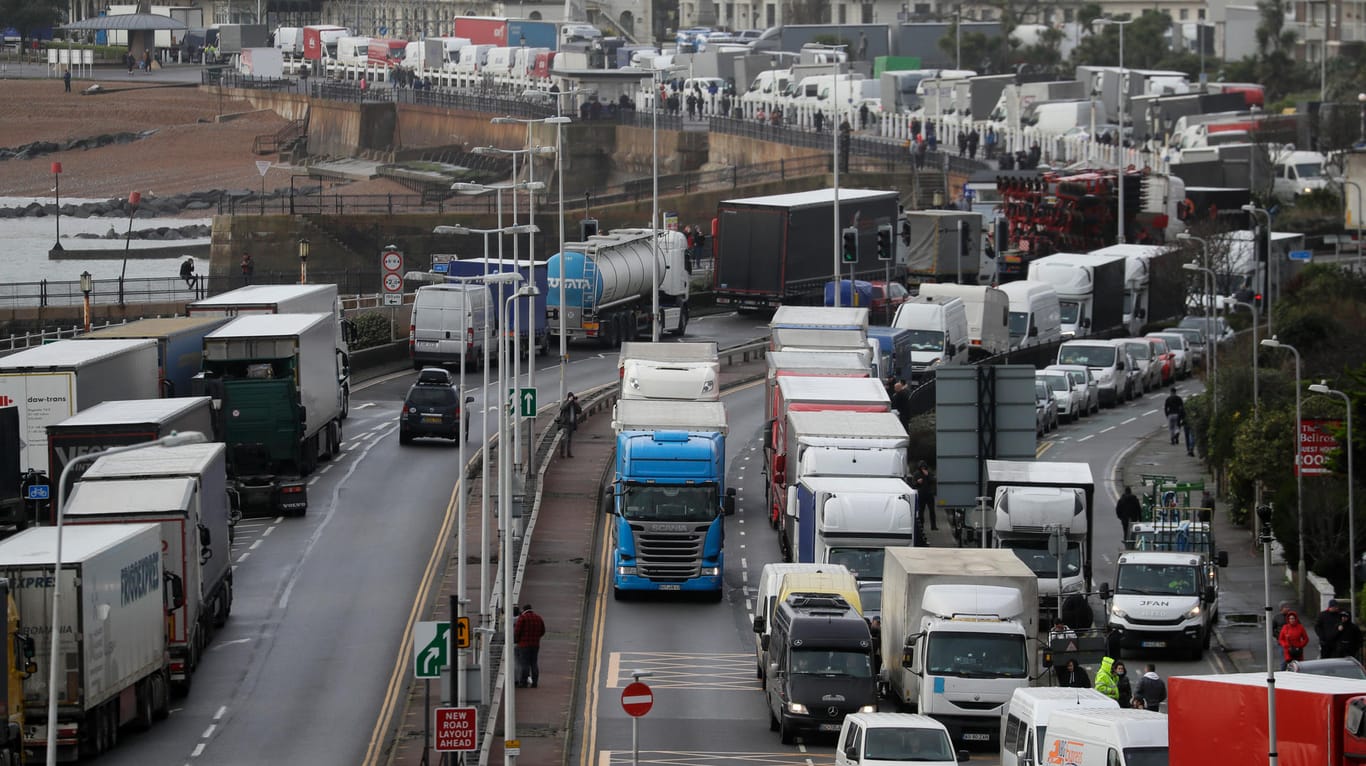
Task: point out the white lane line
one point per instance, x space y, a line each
209 731
313 480
221 712
1107 430
744 563
243 557
363 406
1124 423
279 519
1084 438
267 532
1150 412
255 545
197 751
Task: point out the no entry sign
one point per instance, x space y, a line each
637 699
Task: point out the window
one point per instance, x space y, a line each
1013 741
844 13
1200 14
1185 14
853 745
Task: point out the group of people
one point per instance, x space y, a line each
1338 635
143 64
1112 677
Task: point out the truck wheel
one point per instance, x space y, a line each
161 696
345 402
143 721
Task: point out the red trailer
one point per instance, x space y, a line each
1222 719
387 53
320 41
482 30
544 61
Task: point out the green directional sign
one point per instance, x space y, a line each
429 648
527 399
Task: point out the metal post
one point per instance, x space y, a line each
462 507
654 215
835 168
505 522
1322 388
484 595
1266 538
1123 155
1299 485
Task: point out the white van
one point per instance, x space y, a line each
939 333
353 51
1058 117
1107 361
444 318
767 598
891 739
472 57
988 313
1035 313
1105 738
498 61
1297 172
1026 720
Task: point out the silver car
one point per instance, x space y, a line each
1070 402
1084 381
1150 368
1045 408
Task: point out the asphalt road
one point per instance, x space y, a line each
321 602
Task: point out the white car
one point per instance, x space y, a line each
1149 366
1070 401
1084 381
1176 343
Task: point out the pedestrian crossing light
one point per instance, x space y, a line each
884 242
849 249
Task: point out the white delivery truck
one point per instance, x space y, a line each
1166 600
956 632
275 383
290 299
988 310
53 382
183 490
682 371
112 653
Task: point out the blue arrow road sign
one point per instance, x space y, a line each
1301 255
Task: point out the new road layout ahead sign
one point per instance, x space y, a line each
454 729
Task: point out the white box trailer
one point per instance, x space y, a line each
112 623
677 371
183 490
53 382
958 633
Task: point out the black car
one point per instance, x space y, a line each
433 408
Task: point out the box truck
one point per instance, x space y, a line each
183 490
112 627
680 371
180 345
124 421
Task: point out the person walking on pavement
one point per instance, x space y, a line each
1151 691
1106 683
1326 628
527 632
923 482
1174 409
66 78
1124 690
1189 430
1347 642
1293 638
1278 621
568 421
1129 510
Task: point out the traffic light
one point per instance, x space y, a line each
1257 301
588 227
884 242
849 246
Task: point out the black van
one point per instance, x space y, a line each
821 666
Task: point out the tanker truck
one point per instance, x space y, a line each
607 283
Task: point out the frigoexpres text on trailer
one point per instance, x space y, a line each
140 578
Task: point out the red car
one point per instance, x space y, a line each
1165 356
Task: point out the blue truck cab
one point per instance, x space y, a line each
668 497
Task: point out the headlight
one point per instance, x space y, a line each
868 709
711 571
1076 587
1193 613
634 383
1120 613
935 363
1103 376
625 571
796 707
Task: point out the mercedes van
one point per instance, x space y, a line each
771 587
445 319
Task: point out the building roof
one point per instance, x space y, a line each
130 22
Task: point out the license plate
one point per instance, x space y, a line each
431 418
671 587
426 344
831 727
976 736
1154 644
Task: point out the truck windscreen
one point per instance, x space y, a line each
1035 555
831 662
669 503
865 563
1156 580
926 340
976 655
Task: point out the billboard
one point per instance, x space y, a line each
1316 444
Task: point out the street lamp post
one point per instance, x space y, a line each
1322 388
87 284
1123 90
304 246
1256 397
1266 538
57 189
1271 283
1361 126
171 440
1211 341
1274 342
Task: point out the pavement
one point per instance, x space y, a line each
567 531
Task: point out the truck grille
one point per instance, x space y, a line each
669 556
1139 621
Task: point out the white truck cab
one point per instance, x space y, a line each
1165 600
886 739
684 371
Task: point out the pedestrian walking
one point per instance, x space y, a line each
922 151
962 143
568 421
1188 429
1129 510
863 117
819 120
1106 683
923 482
248 267
974 140
1292 638
1326 627
1151 691
527 632
66 78
1174 408
1278 621
991 143
1073 676
1123 688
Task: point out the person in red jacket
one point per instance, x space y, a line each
1293 638
526 634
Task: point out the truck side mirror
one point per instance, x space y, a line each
469 400
24 652
607 500
1105 593
1210 594
1085 321
963 755
175 591
1221 558
1119 365
728 503
1141 314
763 643
205 536
1033 331
759 623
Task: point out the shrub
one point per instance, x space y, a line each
372 329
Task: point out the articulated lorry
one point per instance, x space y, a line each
872 511
53 382
824 328
609 281
122 422
290 299
1320 720
956 633
1154 284
1090 290
1028 522
679 371
668 496
112 656
276 385
183 490
180 346
778 249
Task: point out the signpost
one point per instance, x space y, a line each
262 167
527 399
1301 255
454 729
391 275
636 700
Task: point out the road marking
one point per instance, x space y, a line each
222 710
1084 438
1127 422
266 533
363 406
744 563
313 480
255 545
243 557
220 645
1107 430
209 731
198 750
595 648
1150 412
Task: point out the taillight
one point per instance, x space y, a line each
412 339
469 337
